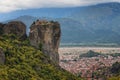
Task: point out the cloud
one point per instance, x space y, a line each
12 5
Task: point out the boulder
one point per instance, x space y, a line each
1 28
45 35
17 28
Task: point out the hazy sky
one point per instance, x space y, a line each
11 5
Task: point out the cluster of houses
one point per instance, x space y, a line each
84 66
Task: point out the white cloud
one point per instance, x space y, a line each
11 5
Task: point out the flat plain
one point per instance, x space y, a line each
81 50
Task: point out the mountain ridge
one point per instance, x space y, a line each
83 24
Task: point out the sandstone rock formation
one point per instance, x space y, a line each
46 36
1 28
2 57
1 25
15 27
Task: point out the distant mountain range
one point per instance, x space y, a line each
89 24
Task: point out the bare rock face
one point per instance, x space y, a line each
1 25
1 28
15 27
46 36
2 57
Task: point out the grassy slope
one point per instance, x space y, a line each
23 62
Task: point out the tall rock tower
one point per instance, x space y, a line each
45 35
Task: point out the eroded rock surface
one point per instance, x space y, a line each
45 35
1 28
15 27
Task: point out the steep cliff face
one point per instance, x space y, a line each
2 57
15 27
1 25
1 28
46 36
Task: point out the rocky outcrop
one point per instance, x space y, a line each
1 25
1 28
46 36
2 57
15 27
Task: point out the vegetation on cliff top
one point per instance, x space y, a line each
24 62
